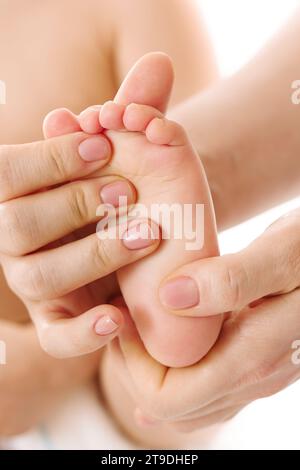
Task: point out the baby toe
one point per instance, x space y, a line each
165 132
111 116
89 120
60 122
137 117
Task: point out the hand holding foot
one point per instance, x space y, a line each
156 156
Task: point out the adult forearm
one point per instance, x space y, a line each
246 130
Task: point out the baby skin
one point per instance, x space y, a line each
156 155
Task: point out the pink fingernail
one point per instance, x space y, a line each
105 326
138 236
111 193
180 293
93 149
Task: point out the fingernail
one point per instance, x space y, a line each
138 236
111 193
105 326
180 293
93 149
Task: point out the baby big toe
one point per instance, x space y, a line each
60 122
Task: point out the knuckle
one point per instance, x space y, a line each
79 205
9 228
254 377
233 280
292 267
286 228
256 366
36 283
102 255
29 280
57 157
268 391
6 173
16 236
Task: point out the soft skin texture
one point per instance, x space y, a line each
165 170
253 357
273 123
257 355
51 69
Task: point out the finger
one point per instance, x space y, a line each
283 374
116 355
249 351
149 82
27 168
32 222
246 349
206 421
62 336
269 266
43 276
198 385
158 401
142 368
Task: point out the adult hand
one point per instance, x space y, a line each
256 355
55 283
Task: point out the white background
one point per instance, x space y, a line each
239 28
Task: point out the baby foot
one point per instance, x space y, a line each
156 155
